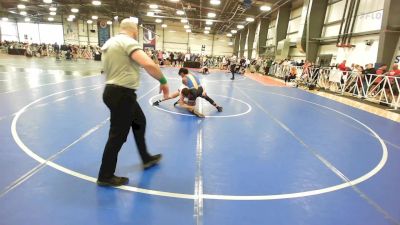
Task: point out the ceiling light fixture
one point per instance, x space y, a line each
211 15
70 19
27 19
50 19
215 2
184 20
23 13
95 17
240 26
53 9
53 13
265 8
150 13
188 31
249 19
96 3
4 19
74 10
233 31
186 26
164 26
206 32
207 28
180 12
47 1
153 6
71 16
20 6
89 21
209 22
158 21
109 22
229 35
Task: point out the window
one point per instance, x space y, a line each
32 32
29 32
51 33
8 31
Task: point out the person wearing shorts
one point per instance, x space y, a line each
189 92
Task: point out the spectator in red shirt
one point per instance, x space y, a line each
395 72
342 66
377 80
390 86
382 70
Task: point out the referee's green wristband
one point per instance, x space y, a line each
163 80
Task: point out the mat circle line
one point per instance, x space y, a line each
249 108
356 181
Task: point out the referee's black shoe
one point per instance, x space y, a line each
153 161
112 181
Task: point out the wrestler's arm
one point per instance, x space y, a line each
184 105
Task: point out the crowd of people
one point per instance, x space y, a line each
232 64
177 59
379 72
166 58
364 81
69 52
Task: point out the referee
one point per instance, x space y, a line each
122 59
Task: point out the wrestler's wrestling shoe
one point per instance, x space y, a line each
156 103
198 114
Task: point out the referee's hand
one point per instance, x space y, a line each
165 90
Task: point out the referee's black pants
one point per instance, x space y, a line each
125 114
233 70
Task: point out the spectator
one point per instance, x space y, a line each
395 72
377 81
369 70
56 48
342 66
292 74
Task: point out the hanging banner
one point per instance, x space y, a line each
71 32
149 36
104 32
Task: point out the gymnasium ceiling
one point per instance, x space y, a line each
229 13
